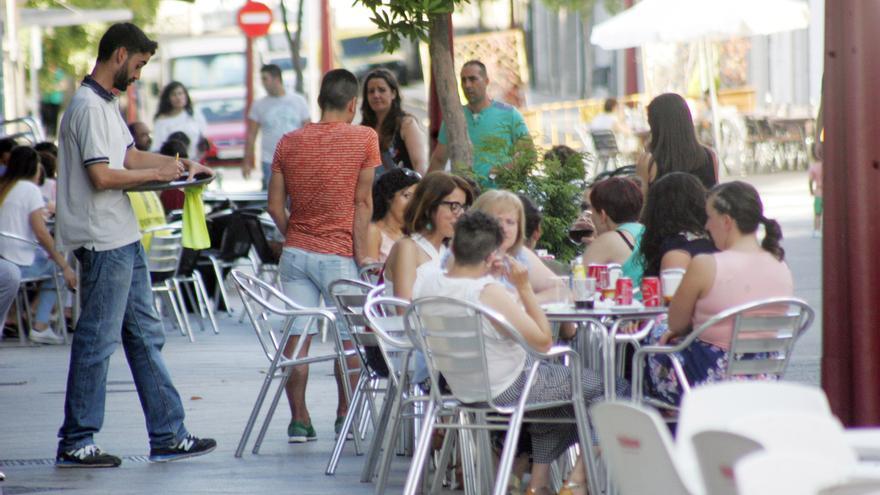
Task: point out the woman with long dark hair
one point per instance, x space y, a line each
744 270
674 146
675 223
401 137
21 214
176 113
391 195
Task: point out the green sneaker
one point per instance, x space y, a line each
298 432
337 427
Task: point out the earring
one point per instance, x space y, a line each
429 226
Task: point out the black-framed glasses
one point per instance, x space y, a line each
454 206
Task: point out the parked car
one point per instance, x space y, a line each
226 130
360 54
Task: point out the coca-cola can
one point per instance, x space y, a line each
623 292
600 273
651 291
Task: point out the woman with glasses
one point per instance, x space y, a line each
428 222
391 194
401 138
507 209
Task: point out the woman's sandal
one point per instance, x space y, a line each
568 488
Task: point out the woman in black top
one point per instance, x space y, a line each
674 218
674 146
401 138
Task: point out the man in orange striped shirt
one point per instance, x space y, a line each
326 171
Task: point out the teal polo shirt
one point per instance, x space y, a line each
493 133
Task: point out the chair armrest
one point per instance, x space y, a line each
865 441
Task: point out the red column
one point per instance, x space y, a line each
631 67
851 268
434 113
326 44
248 77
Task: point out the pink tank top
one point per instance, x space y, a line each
740 278
385 247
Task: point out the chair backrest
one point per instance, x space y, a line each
799 431
254 226
230 235
638 449
715 406
450 334
604 142
261 300
370 273
385 318
764 334
163 257
717 452
784 471
349 296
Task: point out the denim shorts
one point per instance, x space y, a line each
305 278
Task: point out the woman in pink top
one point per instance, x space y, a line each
744 271
391 193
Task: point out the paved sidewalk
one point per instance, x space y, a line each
219 376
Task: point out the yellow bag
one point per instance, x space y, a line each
195 229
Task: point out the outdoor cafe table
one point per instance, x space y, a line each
602 326
238 199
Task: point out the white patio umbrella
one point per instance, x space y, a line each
666 21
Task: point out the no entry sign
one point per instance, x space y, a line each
254 19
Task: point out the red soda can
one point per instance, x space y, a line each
600 273
651 291
623 293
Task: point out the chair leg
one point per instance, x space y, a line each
177 304
446 451
388 442
379 433
421 452
356 401
271 411
221 285
202 294
258 404
508 453
187 295
19 309
59 305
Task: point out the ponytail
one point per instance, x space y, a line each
772 236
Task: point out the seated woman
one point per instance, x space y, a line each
744 271
428 222
391 194
475 249
21 214
674 218
616 204
507 209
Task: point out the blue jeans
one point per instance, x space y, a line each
42 267
117 304
10 277
306 276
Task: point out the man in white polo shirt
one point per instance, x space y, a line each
95 220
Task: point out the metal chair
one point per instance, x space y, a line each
370 273
607 153
763 337
22 303
189 281
231 245
267 257
163 259
450 333
261 300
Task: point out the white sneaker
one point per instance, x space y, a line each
47 336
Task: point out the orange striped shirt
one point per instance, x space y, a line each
320 164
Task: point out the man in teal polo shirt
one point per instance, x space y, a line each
494 128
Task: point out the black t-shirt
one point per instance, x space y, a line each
692 245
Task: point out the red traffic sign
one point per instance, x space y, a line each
254 19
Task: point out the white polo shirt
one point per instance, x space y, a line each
92 132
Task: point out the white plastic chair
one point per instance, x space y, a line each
163 258
717 452
785 472
639 451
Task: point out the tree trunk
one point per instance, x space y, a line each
294 43
458 144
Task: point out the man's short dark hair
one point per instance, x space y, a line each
477 234
124 35
180 136
479 65
48 147
6 145
272 69
609 105
338 88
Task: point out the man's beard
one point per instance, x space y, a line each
121 79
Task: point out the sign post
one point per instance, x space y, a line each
254 20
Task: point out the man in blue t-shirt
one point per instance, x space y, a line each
494 128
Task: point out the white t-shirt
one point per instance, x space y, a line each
15 218
191 125
603 122
92 132
278 115
505 358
